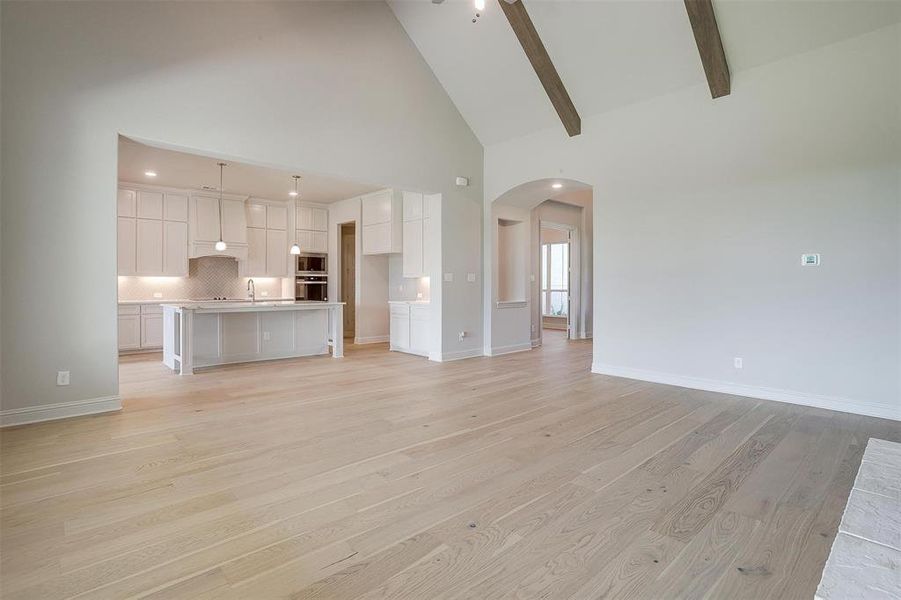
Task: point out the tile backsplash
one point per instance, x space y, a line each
208 277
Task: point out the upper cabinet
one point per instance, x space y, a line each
267 248
415 232
205 224
311 224
152 232
382 225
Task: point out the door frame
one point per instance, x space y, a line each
339 284
575 278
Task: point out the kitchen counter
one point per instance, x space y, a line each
192 301
411 302
205 334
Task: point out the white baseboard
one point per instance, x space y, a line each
372 339
536 342
458 355
62 410
847 405
499 350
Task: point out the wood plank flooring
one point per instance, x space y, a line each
383 475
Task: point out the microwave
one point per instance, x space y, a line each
309 263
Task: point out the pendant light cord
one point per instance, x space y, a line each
221 167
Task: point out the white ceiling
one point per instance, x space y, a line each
609 53
183 170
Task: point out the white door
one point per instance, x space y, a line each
276 253
129 332
256 214
126 203
276 217
149 253
412 206
175 248
320 241
175 207
377 207
256 252
419 329
126 245
412 252
151 331
304 217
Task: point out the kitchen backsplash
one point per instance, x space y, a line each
208 277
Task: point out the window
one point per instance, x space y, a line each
555 279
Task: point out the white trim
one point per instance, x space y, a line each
457 355
536 342
847 405
500 350
62 410
372 339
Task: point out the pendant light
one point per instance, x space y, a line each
220 245
295 247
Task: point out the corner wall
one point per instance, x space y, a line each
703 208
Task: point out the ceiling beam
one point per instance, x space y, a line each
710 46
541 62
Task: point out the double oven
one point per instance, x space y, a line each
311 283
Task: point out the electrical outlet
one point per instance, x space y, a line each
267 336
419 295
62 378
264 293
157 294
462 335
737 362
448 277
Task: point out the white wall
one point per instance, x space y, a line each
331 87
509 246
703 208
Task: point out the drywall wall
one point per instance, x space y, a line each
508 309
703 208
335 88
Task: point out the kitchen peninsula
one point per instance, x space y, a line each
205 334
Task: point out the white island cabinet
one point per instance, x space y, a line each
205 334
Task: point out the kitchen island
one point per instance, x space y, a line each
206 334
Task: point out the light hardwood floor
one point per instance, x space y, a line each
383 475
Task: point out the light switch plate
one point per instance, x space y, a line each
448 277
471 277
62 378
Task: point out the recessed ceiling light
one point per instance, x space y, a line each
150 173
557 186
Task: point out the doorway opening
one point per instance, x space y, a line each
347 284
556 267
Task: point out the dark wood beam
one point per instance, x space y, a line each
710 46
541 62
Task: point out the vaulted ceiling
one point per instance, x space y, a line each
610 53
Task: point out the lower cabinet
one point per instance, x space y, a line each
140 327
409 327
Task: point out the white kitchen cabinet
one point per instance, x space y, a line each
175 207
409 327
206 218
234 222
382 231
129 332
412 206
276 217
256 252
149 251
312 241
399 327
413 242
256 215
150 205
415 229
175 248
125 203
311 233
151 331
276 253
426 242
126 245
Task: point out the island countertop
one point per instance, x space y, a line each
258 306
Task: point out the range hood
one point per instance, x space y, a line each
200 249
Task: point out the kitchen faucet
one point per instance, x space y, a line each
251 290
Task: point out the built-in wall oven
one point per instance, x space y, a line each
309 263
311 288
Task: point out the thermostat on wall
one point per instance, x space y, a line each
810 260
